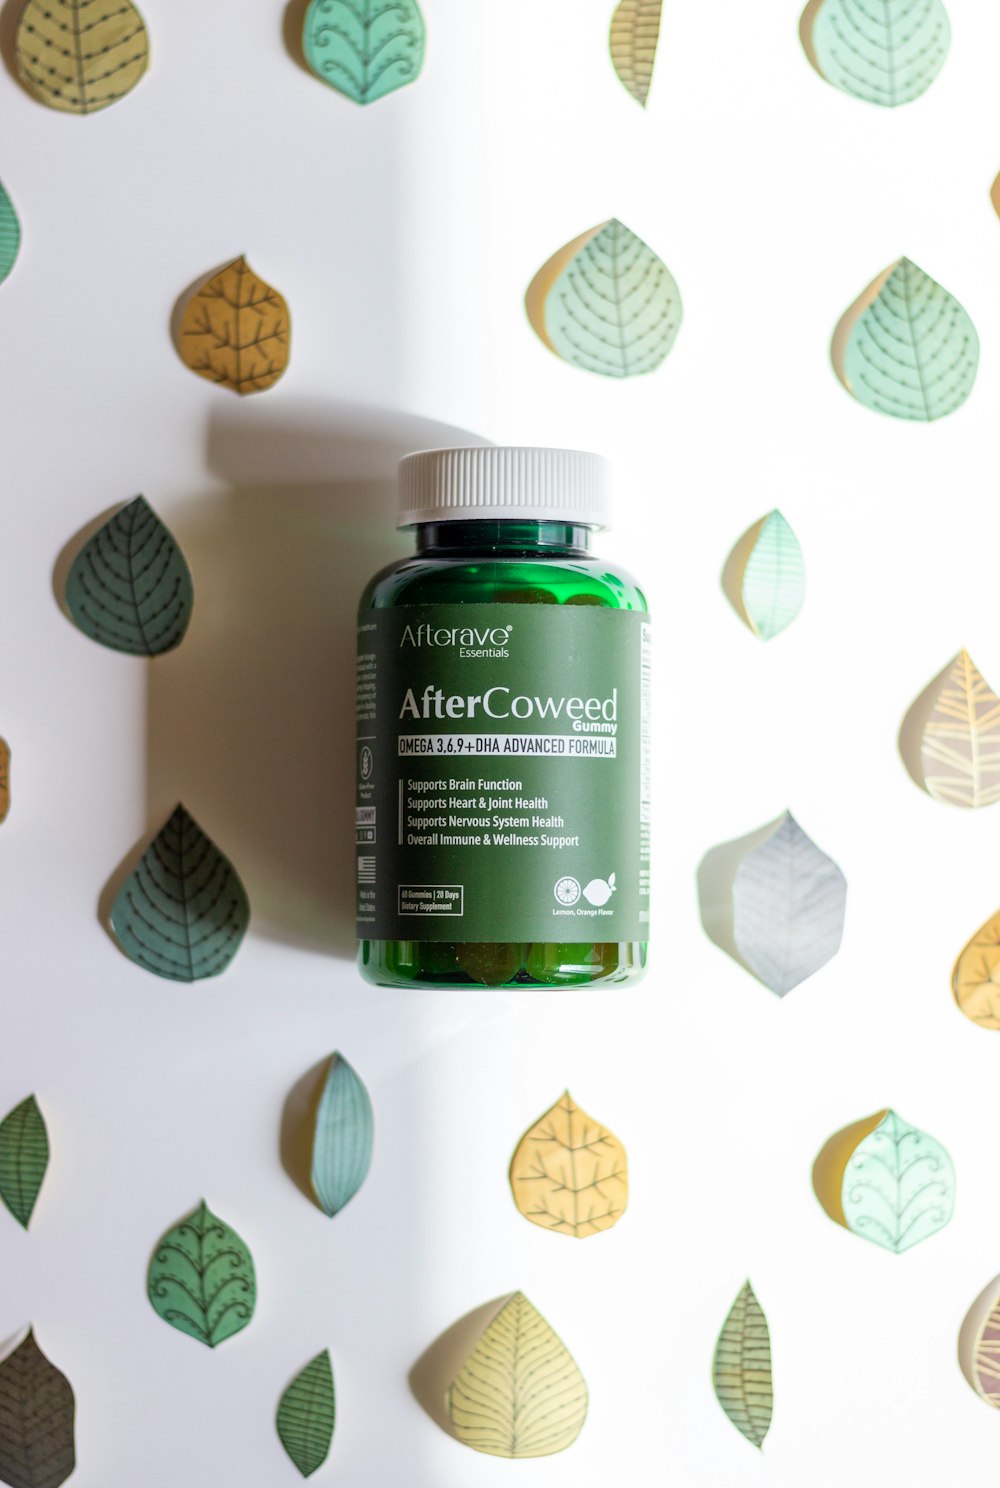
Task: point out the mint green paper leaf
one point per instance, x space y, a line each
306 1415
906 347
364 48
201 1278
24 1157
10 235
774 577
129 587
883 51
37 1415
606 303
182 912
741 1372
899 1186
343 1136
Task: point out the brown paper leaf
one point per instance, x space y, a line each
569 1174
236 331
36 1420
635 31
960 744
976 978
4 779
79 56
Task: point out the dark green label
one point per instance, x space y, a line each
503 781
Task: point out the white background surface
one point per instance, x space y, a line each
403 237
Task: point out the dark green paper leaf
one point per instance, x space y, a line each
183 912
130 587
24 1156
201 1278
37 1408
306 1415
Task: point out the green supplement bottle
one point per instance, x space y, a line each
503 733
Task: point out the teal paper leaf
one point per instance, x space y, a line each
342 1139
614 308
37 1415
306 1415
912 352
899 1186
774 579
24 1157
10 235
129 586
201 1278
182 912
883 51
364 48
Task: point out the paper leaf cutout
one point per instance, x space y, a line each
635 31
789 900
976 978
960 742
182 912
984 1374
4 779
886 1181
364 48
342 1138
888 52
770 576
236 331
129 587
24 1157
519 1393
306 1415
201 1278
741 1372
569 1174
906 347
37 1410
10 235
606 303
81 55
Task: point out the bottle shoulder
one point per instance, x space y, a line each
430 579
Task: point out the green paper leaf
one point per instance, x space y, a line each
774 579
741 1372
201 1278
907 347
24 1157
37 1410
10 235
364 48
182 913
342 1139
886 52
129 586
899 1186
635 31
306 1415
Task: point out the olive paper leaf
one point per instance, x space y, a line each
519 1393
635 31
741 1371
236 331
788 907
975 980
201 1278
37 1410
886 52
364 48
768 577
182 912
342 1137
960 741
81 55
10 235
306 1415
129 586
4 779
898 1185
606 303
569 1174
24 1157
906 347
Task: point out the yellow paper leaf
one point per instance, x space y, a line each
4 779
79 56
569 1174
960 744
519 1393
976 978
635 31
236 330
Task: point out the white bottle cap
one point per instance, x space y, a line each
503 483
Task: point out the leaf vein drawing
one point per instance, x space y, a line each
37 1413
569 1174
236 331
741 1371
886 52
343 1135
24 1158
898 1185
104 47
635 34
960 741
307 1415
129 587
364 50
185 1286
